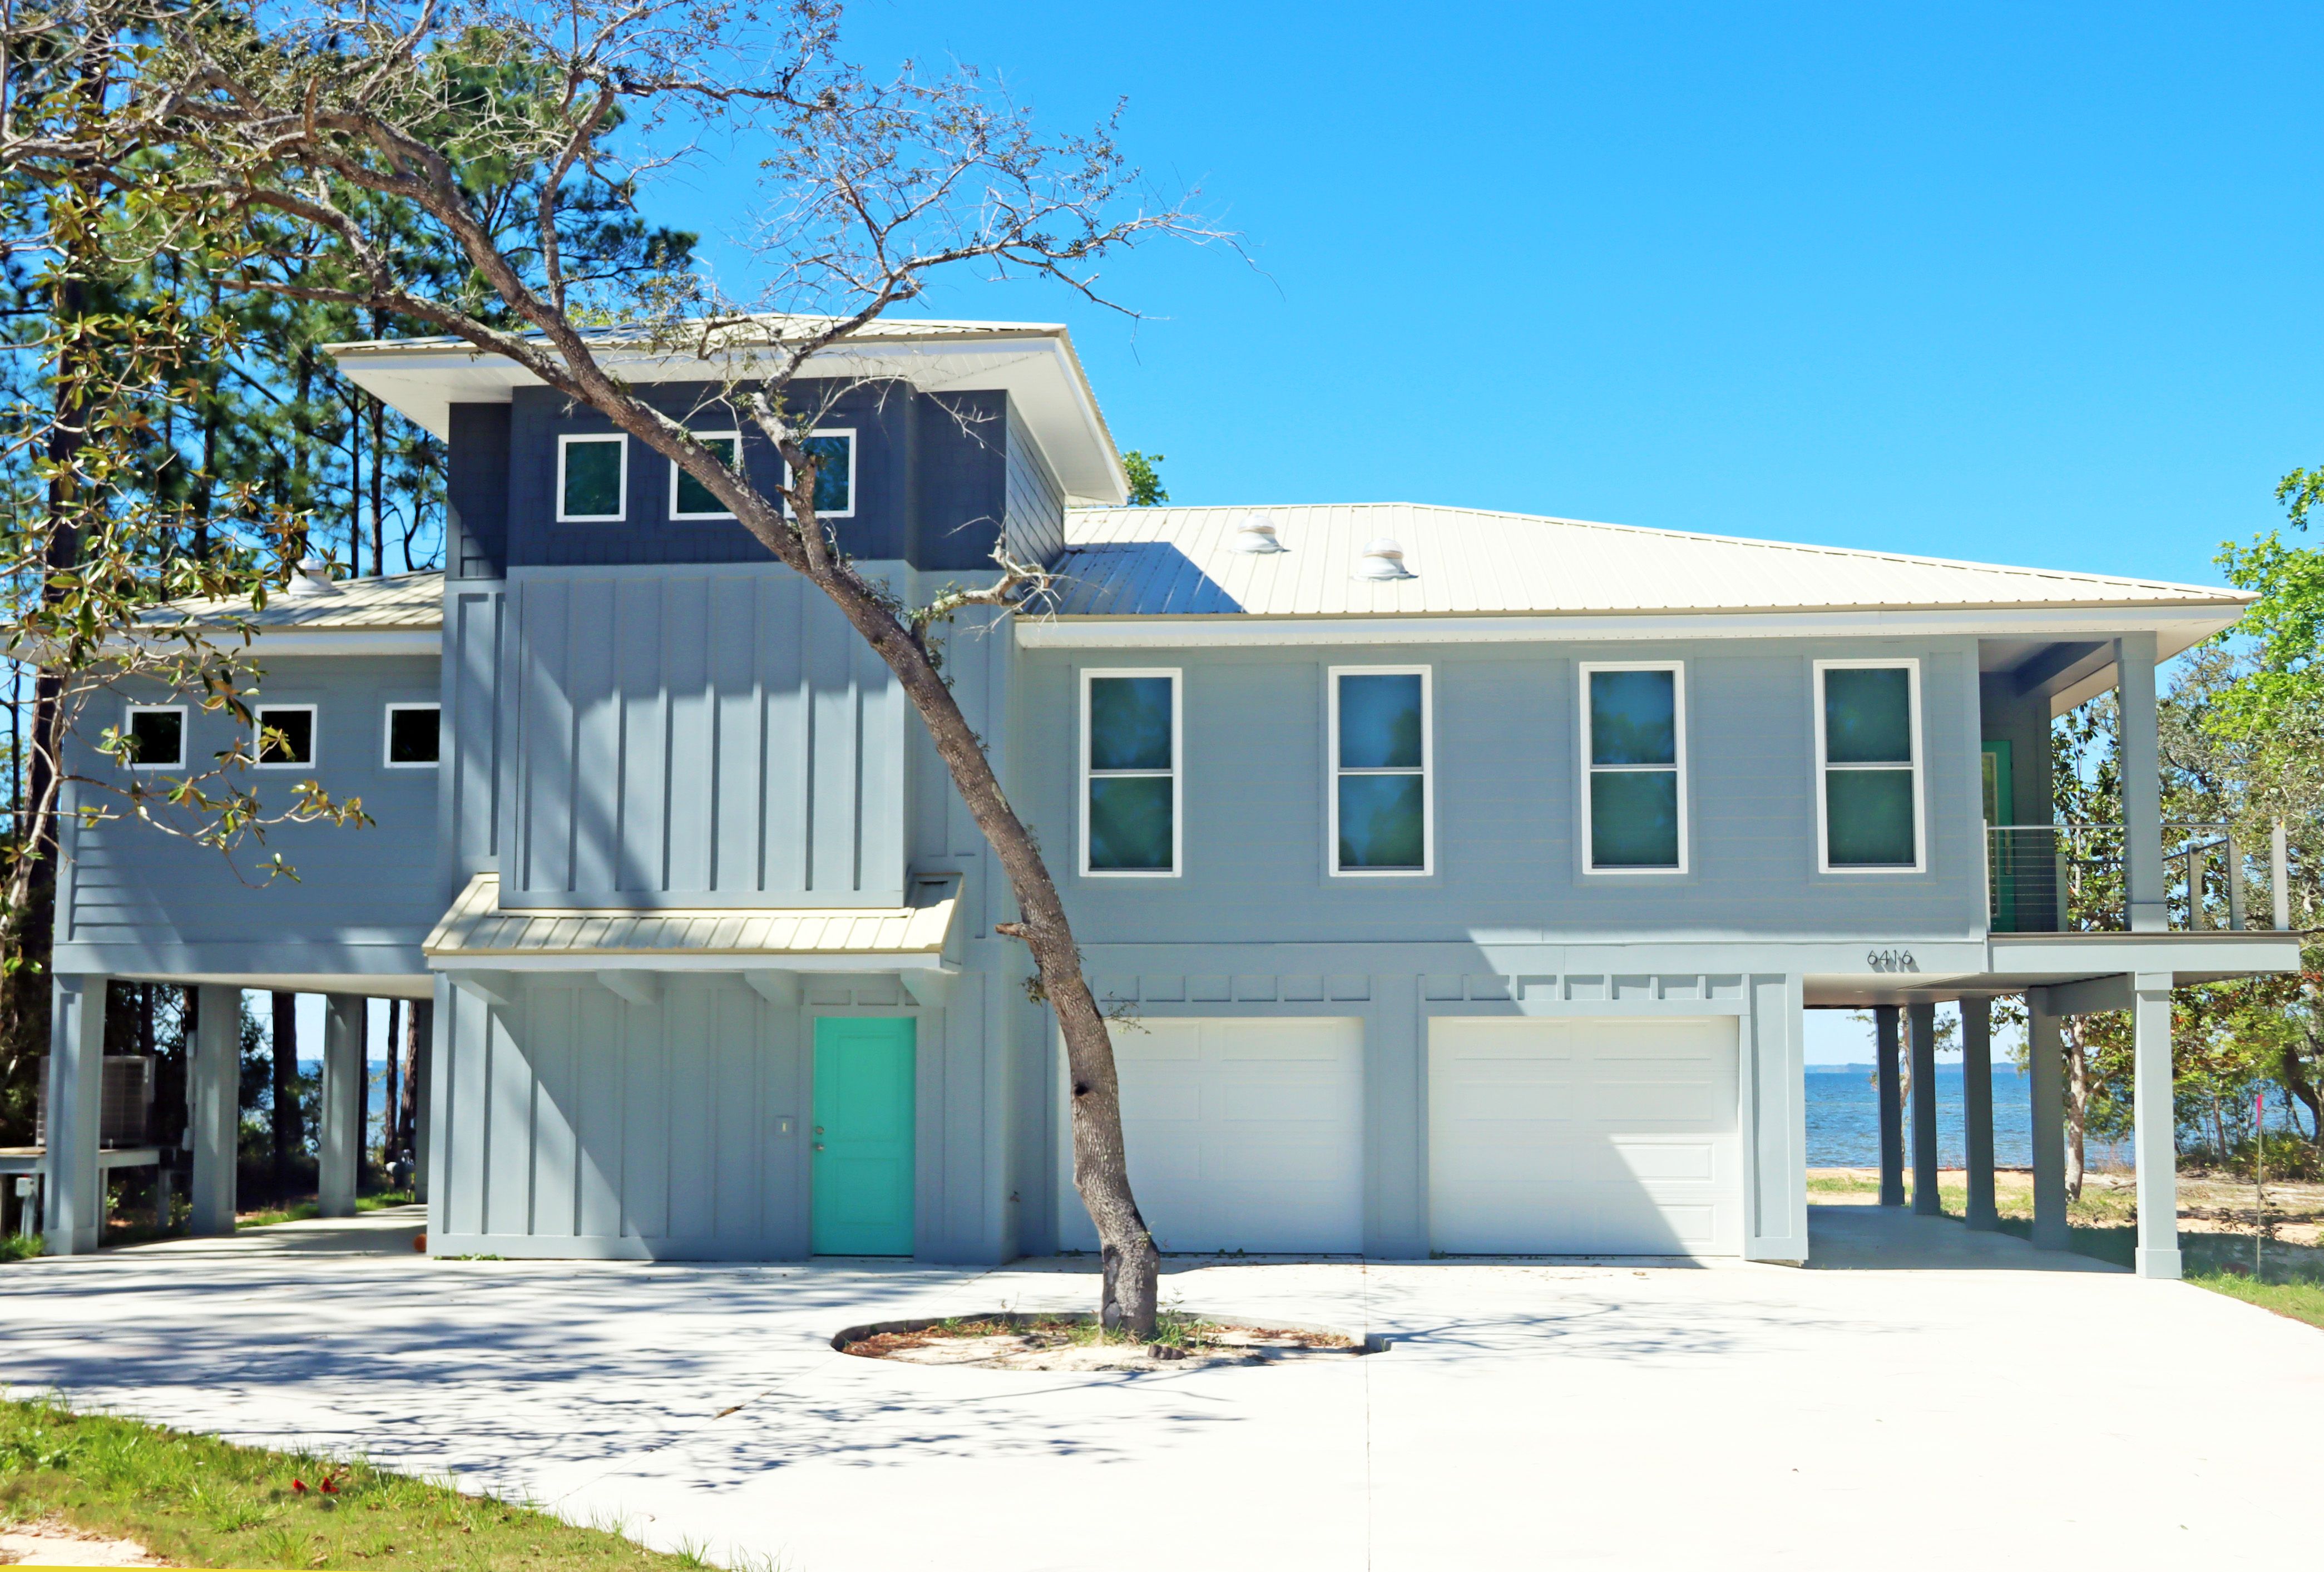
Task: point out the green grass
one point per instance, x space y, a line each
2301 1301
19 1246
198 1501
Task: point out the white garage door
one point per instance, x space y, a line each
1584 1137
1242 1135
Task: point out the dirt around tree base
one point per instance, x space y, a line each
1075 1341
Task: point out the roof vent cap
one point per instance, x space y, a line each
312 577
1384 560
1255 537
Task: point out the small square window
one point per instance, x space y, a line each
834 471
413 735
593 479
156 735
285 735
688 498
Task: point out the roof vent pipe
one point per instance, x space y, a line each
1255 537
312 577
1383 559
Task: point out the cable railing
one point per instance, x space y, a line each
2073 878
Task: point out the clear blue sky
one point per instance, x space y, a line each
2025 284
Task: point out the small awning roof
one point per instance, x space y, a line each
476 934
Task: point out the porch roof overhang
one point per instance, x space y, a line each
477 936
2084 971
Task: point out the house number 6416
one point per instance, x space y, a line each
1892 960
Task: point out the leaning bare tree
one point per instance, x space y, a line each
327 115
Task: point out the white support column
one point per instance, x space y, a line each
1921 1024
2155 1127
1887 1023
72 1196
2142 785
215 1100
340 1146
1976 1109
2046 1056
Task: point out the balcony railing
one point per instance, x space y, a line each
2071 878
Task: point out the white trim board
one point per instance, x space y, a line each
2173 632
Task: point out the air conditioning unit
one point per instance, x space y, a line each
124 1107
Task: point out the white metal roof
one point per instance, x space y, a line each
1182 562
1033 362
477 932
398 600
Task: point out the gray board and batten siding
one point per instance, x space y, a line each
136 902
940 480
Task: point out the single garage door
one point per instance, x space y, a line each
1242 1135
1584 1137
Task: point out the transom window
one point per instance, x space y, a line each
1634 738
1129 772
413 738
688 498
1381 812
1868 754
593 479
833 449
284 736
156 735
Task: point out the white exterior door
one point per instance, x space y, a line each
1584 1137
1243 1135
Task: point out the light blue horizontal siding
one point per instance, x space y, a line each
130 885
1507 783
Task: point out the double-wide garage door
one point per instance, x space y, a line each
1584 1137
1548 1137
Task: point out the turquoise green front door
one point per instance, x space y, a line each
862 1135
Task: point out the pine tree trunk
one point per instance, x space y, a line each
2077 1106
288 1136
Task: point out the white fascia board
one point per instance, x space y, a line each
328 642
2174 627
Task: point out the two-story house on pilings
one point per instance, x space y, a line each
1465 876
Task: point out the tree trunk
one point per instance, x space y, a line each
288 1136
2077 1106
1131 1298
408 1111
391 1104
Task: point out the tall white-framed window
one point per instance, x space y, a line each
593 479
282 735
1870 796
156 735
1633 801
1132 778
1382 806
833 448
412 736
688 498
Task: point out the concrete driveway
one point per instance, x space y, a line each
1973 1408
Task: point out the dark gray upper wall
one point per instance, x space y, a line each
937 478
